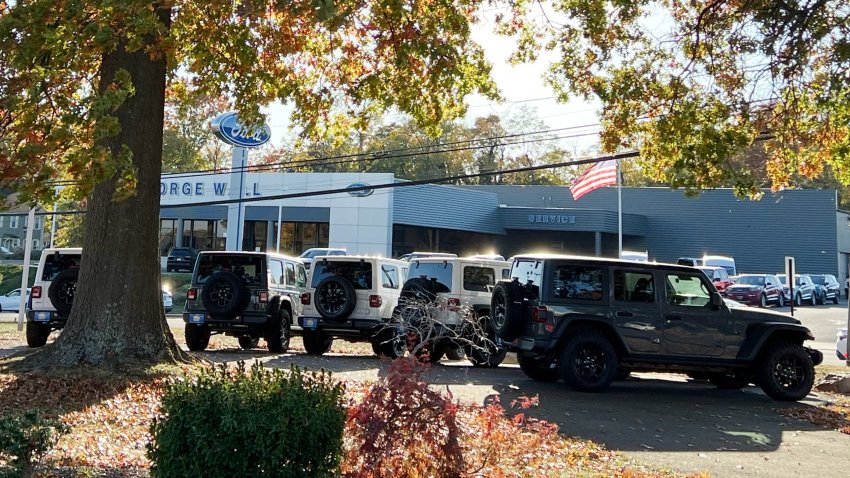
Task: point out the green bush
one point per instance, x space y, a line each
268 423
24 439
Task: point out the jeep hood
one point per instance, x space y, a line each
752 314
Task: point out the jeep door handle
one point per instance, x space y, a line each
624 313
674 317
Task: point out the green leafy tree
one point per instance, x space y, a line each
188 143
82 96
692 84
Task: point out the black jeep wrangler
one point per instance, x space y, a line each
244 294
588 321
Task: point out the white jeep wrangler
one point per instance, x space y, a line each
461 289
52 294
353 298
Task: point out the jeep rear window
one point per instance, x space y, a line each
527 271
577 282
358 273
180 253
248 268
56 263
478 279
441 272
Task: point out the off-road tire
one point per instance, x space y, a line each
485 351
387 344
455 353
588 361
316 343
785 371
62 290
508 309
731 380
278 332
537 370
225 295
37 334
335 298
197 337
247 342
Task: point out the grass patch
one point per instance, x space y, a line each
11 277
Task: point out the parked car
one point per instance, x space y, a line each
247 295
353 297
827 286
804 289
11 301
757 289
455 284
841 344
587 320
719 276
181 259
5 253
308 255
52 294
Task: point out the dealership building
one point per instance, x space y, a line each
291 212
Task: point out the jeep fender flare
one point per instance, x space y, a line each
579 322
759 335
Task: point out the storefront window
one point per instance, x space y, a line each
254 236
199 234
167 235
297 237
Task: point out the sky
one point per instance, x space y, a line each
521 86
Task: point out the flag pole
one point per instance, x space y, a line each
619 211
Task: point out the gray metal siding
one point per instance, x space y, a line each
447 207
592 220
758 234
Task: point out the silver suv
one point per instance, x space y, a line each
244 294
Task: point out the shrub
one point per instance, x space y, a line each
403 428
268 423
25 438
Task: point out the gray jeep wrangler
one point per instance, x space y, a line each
588 321
248 295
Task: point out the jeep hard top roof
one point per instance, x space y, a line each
359 258
251 253
62 250
544 256
465 260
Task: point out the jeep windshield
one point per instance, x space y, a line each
750 280
358 273
249 268
440 272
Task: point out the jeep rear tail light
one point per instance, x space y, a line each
375 301
192 294
35 292
264 296
539 314
305 298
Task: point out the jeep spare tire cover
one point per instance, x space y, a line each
225 295
62 290
420 289
507 309
335 298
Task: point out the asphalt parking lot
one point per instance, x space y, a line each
664 420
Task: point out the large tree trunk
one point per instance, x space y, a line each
117 316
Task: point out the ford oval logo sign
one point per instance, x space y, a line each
227 128
359 190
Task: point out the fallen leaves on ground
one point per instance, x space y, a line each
833 414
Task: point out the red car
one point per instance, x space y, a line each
718 276
758 289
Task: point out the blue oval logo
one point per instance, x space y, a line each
360 190
227 128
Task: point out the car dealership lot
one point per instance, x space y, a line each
660 419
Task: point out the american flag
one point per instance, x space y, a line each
601 174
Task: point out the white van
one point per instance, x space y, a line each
637 256
727 263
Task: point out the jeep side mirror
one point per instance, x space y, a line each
716 300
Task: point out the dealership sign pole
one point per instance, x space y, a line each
227 128
789 279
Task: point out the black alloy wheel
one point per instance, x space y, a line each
278 331
786 372
335 298
536 369
247 342
225 295
63 289
588 361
